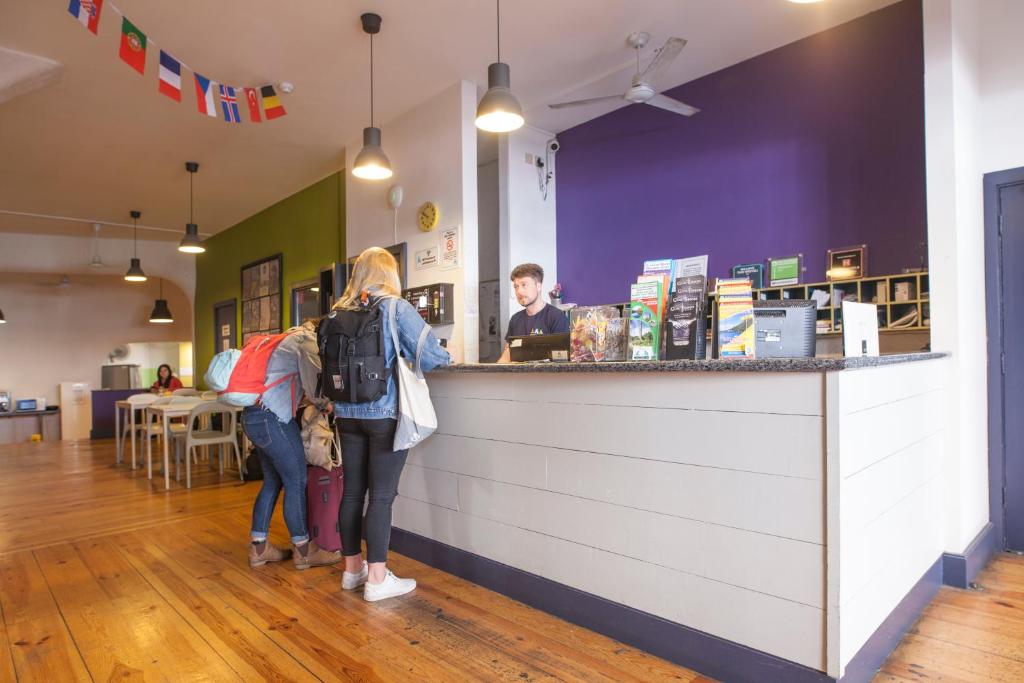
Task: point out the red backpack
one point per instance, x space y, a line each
249 374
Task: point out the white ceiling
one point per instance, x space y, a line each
102 141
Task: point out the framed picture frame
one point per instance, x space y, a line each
261 283
752 271
847 263
399 251
785 270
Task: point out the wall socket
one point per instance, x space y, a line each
531 159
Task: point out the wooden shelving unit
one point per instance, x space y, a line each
864 290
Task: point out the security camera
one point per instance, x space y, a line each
553 146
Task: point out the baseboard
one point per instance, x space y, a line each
702 652
959 570
887 636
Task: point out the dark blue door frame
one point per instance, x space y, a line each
993 183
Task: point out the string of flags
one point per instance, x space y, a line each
262 102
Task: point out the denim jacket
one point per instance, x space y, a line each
410 325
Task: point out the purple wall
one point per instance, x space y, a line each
816 145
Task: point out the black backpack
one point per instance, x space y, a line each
352 355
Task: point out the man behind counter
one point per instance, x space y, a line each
537 317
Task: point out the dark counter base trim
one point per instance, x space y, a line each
702 652
959 570
708 654
872 655
720 365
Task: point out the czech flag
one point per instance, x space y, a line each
205 99
170 76
133 46
229 104
87 12
254 105
271 105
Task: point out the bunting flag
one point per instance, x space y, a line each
87 12
133 46
229 104
271 105
254 105
205 99
132 51
170 76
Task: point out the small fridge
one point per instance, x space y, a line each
125 376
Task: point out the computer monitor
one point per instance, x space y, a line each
785 328
539 347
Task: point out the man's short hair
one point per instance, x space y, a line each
528 270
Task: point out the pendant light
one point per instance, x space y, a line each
2 318
135 273
371 163
190 243
161 313
499 111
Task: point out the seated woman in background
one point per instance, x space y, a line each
165 382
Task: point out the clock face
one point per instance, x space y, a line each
428 215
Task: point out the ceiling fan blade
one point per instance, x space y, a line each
666 55
592 100
665 102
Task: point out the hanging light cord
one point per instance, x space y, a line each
499 30
135 237
371 80
191 199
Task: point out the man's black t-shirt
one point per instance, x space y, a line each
549 320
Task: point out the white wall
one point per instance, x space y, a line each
488 230
527 219
973 99
433 154
58 334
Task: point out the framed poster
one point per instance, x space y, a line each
785 270
752 271
848 263
261 297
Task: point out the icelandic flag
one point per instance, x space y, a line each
87 12
229 104
205 99
170 76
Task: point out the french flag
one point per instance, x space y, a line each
170 76
205 98
87 12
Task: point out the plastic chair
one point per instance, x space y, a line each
185 392
131 426
207 436
208 395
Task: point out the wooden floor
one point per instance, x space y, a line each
103 576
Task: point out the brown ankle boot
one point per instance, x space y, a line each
311 555
261 553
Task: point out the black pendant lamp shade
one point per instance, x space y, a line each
135 273
190 243
2 318
499 111
371 163
161 312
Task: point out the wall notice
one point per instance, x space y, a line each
426 258
449 248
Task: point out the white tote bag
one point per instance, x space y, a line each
416 417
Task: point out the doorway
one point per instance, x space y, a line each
225 323
1004 279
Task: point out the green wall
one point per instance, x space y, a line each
307 229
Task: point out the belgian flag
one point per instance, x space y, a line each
272 108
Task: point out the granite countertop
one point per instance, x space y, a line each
727 365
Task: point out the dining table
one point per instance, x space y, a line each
165 412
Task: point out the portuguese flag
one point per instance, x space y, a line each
271 105
133 46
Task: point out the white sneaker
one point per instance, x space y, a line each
390 587
351 581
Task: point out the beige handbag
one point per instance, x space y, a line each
321 443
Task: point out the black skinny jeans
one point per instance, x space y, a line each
369 465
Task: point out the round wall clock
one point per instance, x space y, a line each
428 216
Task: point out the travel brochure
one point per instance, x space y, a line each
684 338
646 311
735 318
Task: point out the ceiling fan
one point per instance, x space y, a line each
96 261
63 283
642 90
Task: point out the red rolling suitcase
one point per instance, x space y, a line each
323 499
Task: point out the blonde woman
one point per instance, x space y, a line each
366 416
